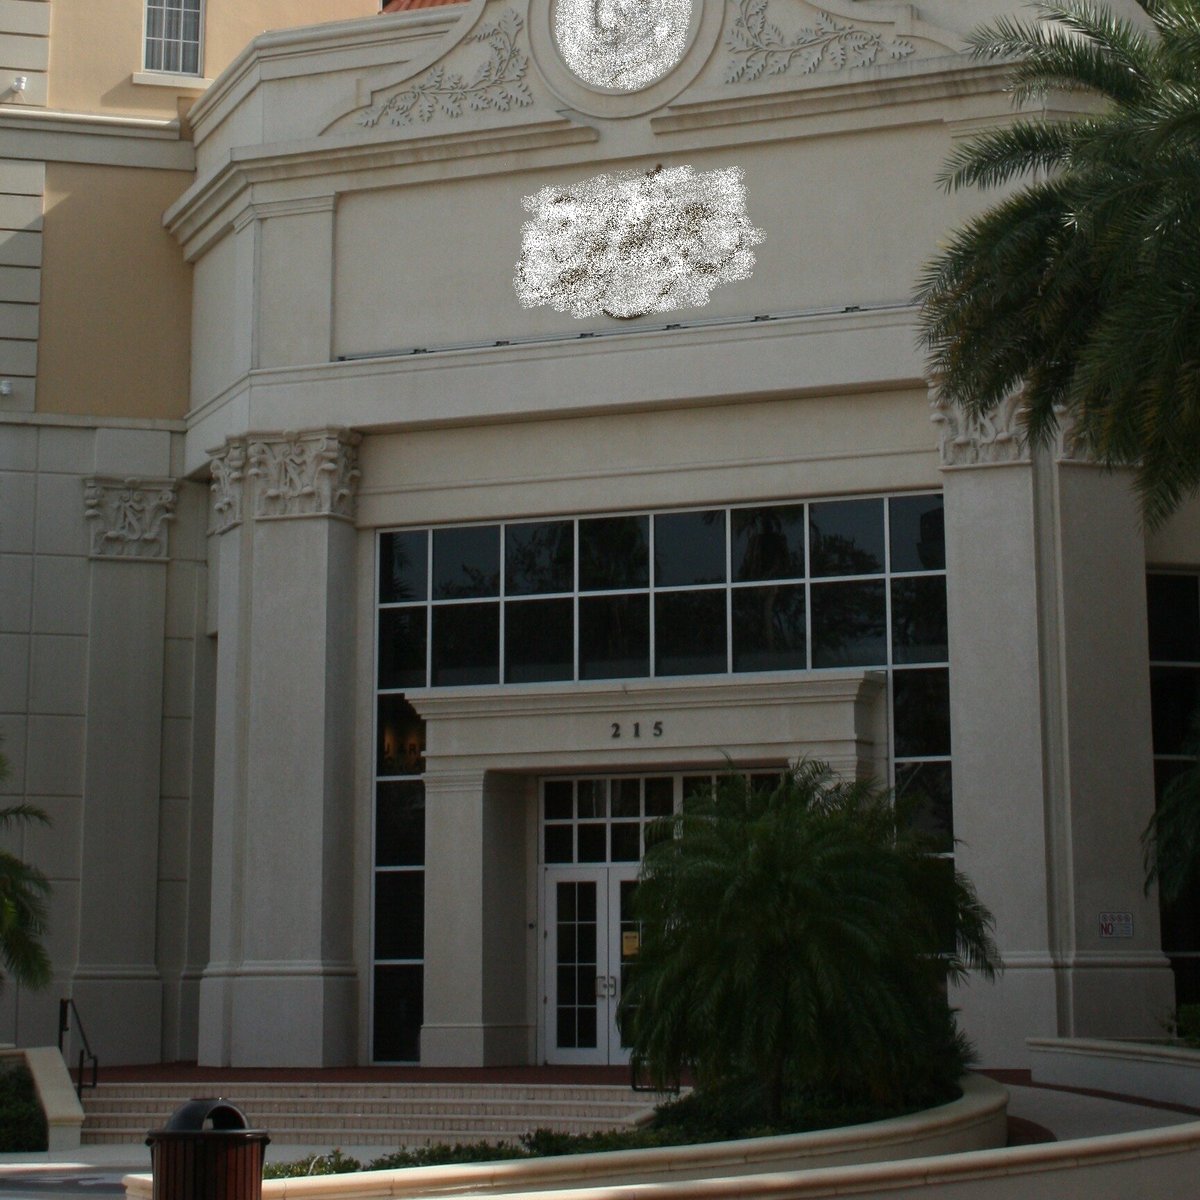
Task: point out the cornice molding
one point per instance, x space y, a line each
211 206
94 138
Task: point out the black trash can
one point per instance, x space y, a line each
206 1152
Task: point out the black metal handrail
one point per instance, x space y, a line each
65 1009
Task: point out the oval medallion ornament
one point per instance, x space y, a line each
621 44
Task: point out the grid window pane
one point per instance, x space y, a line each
1174 699
921 712
399 914
846 537
918 533
466 562
401 738
466 644
173 35
614 552
539 642
614 637
399 1013
1173 613
849 625
539 558
919 620
400 823
768 543
768 629
559 797
401 647
923 794
689 548
689 630
403 566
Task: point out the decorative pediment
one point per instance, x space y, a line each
506 58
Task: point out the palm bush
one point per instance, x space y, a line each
1081 289
23 904
796 944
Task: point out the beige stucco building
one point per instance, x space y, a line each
358 606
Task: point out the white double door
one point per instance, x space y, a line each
590 941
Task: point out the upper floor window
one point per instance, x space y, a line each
173 35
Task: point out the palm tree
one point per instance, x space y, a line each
796 942
1081 288
23 904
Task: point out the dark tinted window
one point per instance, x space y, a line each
401 746
768 543
614 552
846 537
539 643
921 712
1173 603
768 629
918 533
923 798
399 1013
399 914
849 625
402 566
466 644
400 823
689 548
689 633
402 647
919 619
539 558
614 637
466 562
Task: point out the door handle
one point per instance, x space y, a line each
612 985
606 985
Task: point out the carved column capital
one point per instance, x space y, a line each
309 474
129 517
313 473
228 468
971 440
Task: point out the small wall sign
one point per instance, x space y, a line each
635 729
1116 925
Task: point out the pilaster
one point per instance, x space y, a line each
280 988
1050 731
116 975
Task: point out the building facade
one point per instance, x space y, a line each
449 440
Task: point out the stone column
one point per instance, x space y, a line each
1051 734
116 983
475 918
281 986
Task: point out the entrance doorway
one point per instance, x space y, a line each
593 838
591 942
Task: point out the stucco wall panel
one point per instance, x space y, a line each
106 253
433 264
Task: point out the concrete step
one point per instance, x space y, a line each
396 1114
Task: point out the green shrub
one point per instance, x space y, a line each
796 944
22 1122
332 1163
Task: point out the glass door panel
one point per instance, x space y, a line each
577 976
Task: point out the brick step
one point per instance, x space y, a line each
385 1140
433 1120
396 1114
555 1093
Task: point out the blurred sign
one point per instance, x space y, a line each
1116 924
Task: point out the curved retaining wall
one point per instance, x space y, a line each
977 1120
1168 1073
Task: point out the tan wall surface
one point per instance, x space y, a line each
116 295
95 49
